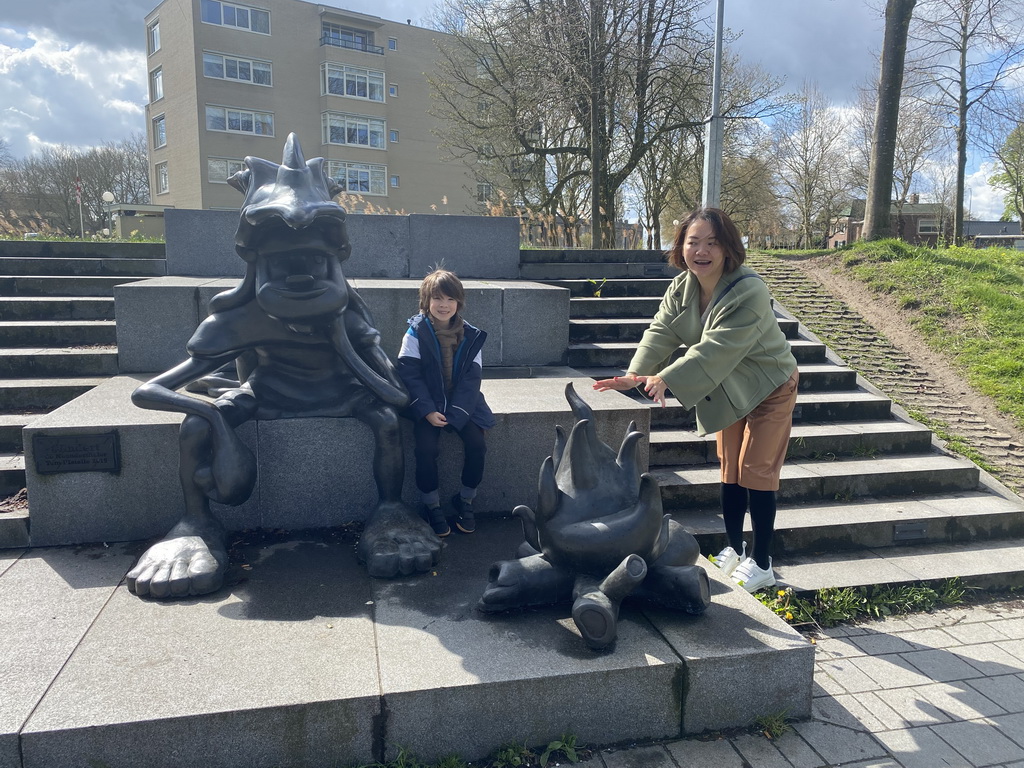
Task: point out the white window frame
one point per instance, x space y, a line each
351 77
235 12
153 37
158 134
392 43
373 126
351 175
928 226
242 117
392 90
238 64
484 192
163 180
156 84
395 180
393 136
231 166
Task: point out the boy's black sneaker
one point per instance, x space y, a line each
437 521
465 522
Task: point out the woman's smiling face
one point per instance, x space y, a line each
702 253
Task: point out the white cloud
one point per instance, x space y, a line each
982 201
80 95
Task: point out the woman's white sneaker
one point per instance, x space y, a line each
727 559
751 577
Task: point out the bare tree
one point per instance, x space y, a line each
962 52
887 113
598 79
810 147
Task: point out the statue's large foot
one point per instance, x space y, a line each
397 542
186 562
596 618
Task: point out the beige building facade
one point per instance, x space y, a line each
229 80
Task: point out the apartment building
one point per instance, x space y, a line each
231 79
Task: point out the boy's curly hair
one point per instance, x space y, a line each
441 282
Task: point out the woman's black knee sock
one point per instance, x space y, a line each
734 507
762 520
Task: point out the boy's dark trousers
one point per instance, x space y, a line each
428 438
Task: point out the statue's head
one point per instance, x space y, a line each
292 236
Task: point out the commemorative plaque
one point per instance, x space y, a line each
77 453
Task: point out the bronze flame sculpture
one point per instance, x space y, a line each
597 537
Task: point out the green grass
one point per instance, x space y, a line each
968 304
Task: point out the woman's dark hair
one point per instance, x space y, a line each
438 283
725 232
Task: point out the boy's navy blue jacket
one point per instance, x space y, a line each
419 365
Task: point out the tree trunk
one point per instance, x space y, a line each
877 217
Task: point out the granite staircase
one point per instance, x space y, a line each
868 495
57 341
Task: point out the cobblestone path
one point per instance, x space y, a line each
891 369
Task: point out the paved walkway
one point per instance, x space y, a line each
918 691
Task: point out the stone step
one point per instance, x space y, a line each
588 256
806 480
81 249
62 333
11 425
36 285
82 267
634 306
982 564
66 361
814 528
12 473
14 531
619 353
56 308
592 329
808 441
824 377
612 287
44 393
596 271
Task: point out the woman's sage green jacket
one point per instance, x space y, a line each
733 359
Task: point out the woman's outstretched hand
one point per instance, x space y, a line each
654 386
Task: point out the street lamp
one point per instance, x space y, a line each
108 198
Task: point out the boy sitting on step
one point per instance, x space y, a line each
441 364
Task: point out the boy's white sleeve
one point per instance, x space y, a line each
410 346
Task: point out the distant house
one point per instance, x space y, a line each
983 234
918 223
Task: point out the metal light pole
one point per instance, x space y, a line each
713 139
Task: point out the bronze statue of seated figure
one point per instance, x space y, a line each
303 344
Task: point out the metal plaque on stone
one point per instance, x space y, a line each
81 452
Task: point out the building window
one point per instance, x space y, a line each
484 192
392 90
238 16
359 178
231 68
393 137
357 130
347 37
392 43
395 181
353 82
156 84
159 132
239 121
928 227
153 37
162 181
220 169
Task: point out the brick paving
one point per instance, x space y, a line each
938 689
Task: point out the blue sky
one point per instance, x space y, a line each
73 71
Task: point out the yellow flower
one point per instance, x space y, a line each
789 616
781 593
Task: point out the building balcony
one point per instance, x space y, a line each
337 42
